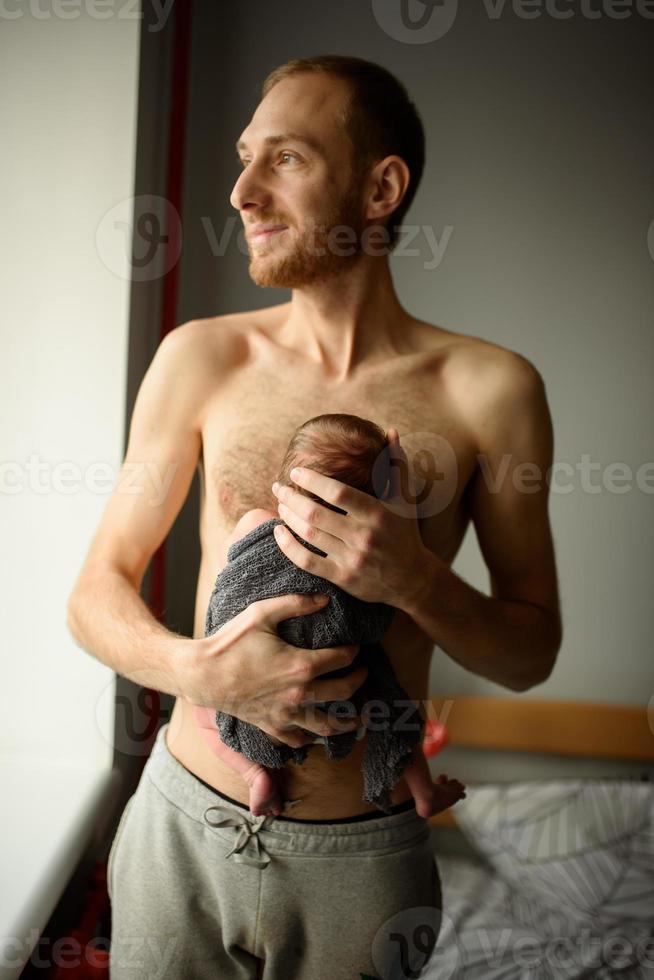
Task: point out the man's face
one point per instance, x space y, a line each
309 189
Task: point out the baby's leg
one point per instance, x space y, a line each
430 797
264 797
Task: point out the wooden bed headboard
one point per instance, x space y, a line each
573 728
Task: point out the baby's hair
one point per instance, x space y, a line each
346 447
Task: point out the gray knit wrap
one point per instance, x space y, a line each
258 569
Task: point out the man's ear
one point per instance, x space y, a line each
390 179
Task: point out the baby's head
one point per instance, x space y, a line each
344 447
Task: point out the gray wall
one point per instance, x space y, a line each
539 151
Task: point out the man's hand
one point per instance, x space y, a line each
245 669
374 551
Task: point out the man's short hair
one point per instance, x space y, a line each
379 119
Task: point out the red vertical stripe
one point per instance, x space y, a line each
181 52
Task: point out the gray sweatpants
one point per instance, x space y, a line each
201 889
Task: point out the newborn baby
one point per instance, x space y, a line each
354 451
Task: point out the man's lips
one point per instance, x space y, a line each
260 235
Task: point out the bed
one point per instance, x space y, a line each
548 871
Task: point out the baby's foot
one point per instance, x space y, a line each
264 797
441 795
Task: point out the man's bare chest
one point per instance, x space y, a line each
251 419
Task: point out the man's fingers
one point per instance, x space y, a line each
317 720
290 736
321 723
334 726
393 481
336 688
326 659
397 462
275 610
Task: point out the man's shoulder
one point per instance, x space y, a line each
207 333
490 367
487 382
226 333
230 324
469 352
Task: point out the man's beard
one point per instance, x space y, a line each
317 256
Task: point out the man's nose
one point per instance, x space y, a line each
250 188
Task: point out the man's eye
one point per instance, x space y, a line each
285 153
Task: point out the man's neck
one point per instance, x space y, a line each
343 323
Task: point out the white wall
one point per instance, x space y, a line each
68 119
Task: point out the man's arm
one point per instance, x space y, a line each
106 614
512 637
109 620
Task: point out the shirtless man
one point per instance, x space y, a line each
225 393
